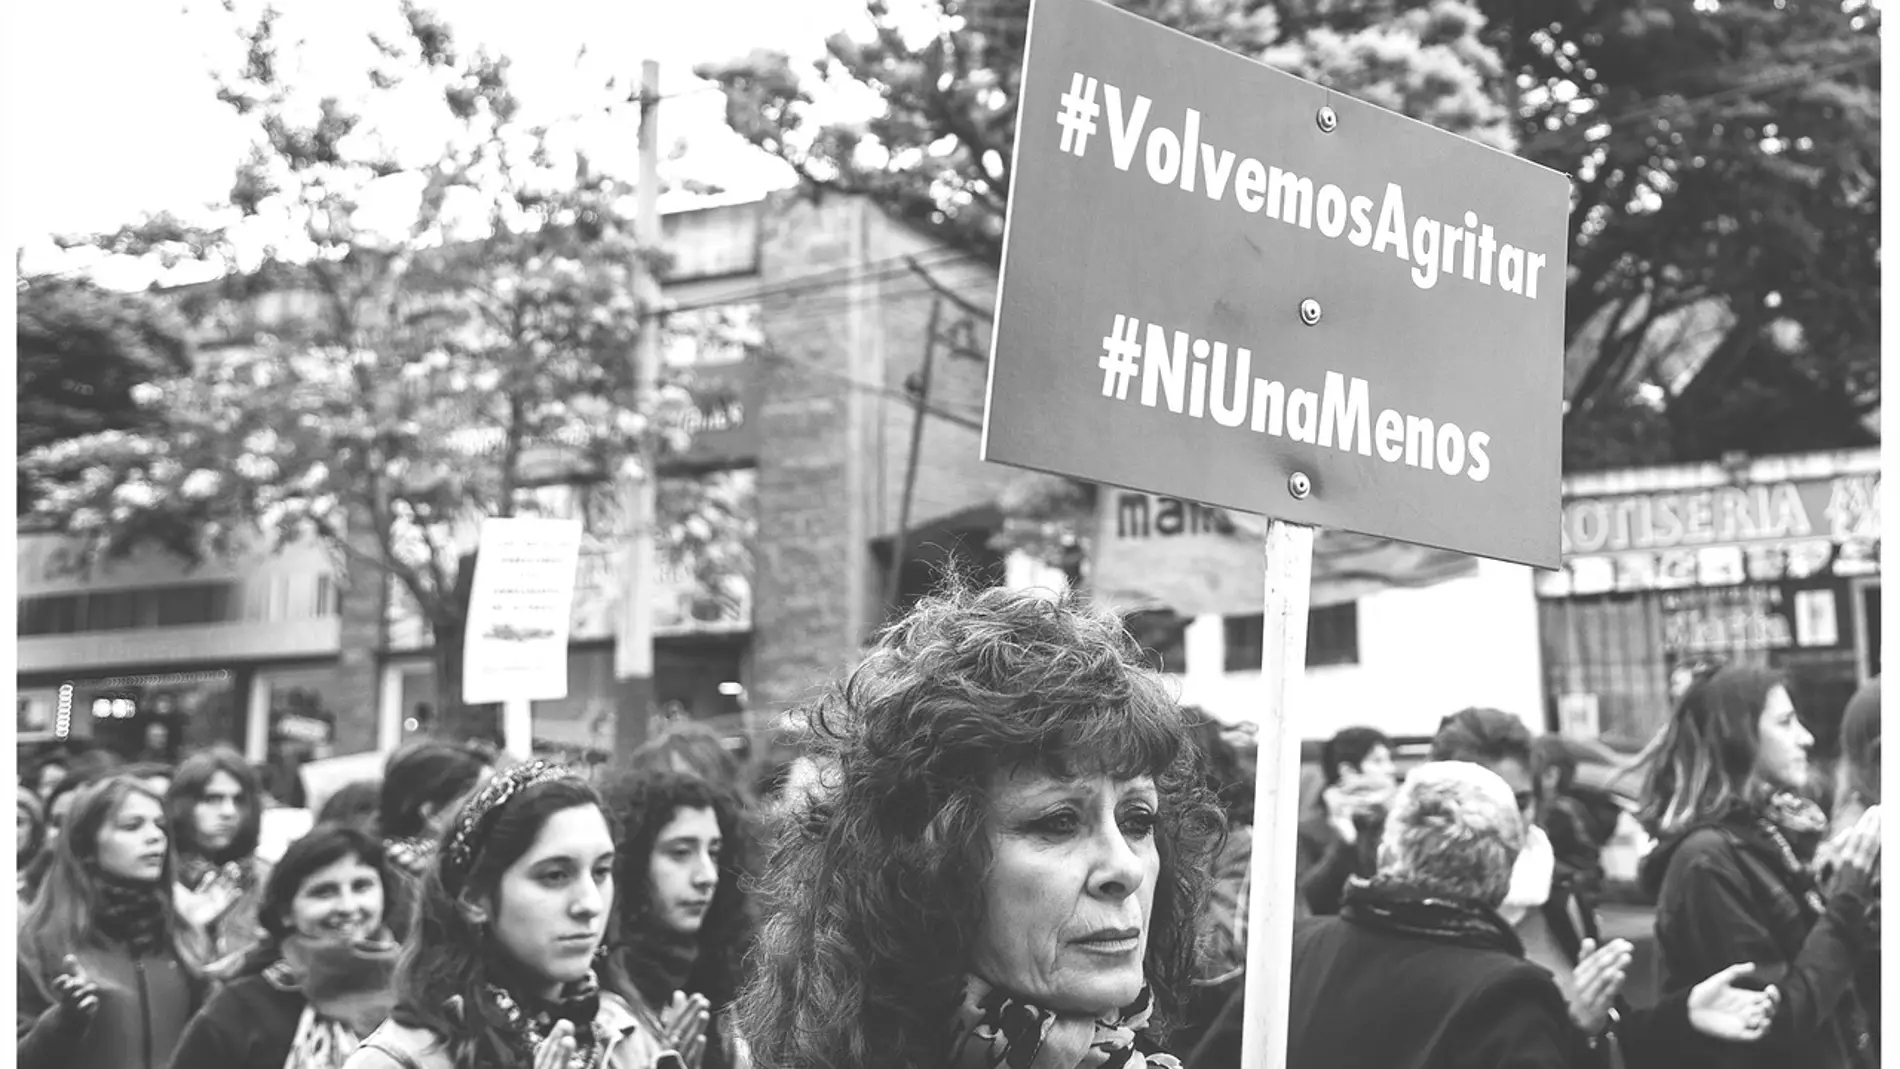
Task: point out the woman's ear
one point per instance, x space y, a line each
472 911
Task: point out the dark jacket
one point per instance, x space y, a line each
1725 894
144 1004
1327 861
1363 997
248 1024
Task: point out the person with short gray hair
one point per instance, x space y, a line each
1423 940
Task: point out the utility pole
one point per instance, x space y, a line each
633 640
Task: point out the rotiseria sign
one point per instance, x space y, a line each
1685 518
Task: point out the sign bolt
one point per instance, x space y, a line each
1309 311
1299 485
1328 120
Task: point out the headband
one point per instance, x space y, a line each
473 824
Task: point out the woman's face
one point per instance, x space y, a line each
1070 890
1781 759
22 828
550 909
132 842
684 870
340 902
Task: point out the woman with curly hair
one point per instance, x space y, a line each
681 919
1733 873
1007 860
498 972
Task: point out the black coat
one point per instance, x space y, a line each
248 1024
1367 998
1725 895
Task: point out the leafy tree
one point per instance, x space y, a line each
385 388
1726 155
82 350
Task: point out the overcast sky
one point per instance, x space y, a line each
111 114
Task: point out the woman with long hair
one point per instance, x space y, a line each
323 976
29 838
103 984
499 970
681 923
1726 796
424 786
215 811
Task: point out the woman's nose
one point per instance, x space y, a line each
1118 872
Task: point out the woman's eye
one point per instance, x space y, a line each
554 877
1059 823
1139 824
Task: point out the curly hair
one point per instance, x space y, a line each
643 804
1454 830
874 890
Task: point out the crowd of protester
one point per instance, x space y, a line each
1009 845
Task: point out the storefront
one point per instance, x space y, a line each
1774 562
148 715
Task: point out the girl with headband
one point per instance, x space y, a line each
498 970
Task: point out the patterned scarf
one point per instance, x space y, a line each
993 1029
579 1004
198 873
1796 827
132 913
1391 906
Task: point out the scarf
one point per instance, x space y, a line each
1795 826
530 1023
1387 905
659 962
992 1028
134 914
348 988
1531 877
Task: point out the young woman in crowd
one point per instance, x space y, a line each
1006 867
324 975
1725 795
103 984
358 804
215 813
499 972
681 922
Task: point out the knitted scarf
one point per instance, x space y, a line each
132 913
992 1029
348 989
1391 906
528 1021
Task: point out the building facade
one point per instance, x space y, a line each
1772 561
288 656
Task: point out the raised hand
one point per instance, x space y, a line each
1718 1008
203 908
685 1021
77 993
1858 855
556 1051
1599 978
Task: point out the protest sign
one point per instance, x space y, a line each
1216 276
519 613
1226 285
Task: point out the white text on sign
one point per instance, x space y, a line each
1433 247
1204 379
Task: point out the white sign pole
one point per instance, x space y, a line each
1273 883
517 728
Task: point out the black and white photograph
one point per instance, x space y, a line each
946 534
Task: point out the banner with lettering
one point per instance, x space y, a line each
1156 552
1718 536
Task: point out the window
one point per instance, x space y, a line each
1332 638
1162 636
126 610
